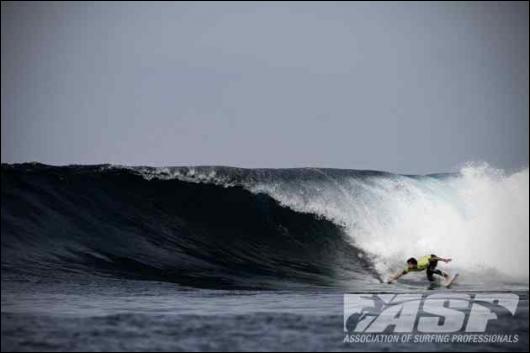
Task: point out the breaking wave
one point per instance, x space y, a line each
221 227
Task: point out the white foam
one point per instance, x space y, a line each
189 174
479 218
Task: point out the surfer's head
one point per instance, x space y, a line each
412 263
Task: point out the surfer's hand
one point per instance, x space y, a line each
389 281
448 260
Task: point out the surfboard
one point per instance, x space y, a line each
451 280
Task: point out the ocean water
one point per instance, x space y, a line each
216 258
130 315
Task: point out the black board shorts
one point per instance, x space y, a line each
431 270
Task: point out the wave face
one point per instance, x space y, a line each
220 227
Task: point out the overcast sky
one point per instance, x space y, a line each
404 87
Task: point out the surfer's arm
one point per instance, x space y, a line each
437 258
396 276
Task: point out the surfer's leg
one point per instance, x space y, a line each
440 273
431 270
430 273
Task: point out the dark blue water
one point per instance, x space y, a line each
105 314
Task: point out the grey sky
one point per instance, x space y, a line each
405 87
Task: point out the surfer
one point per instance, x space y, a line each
428 263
